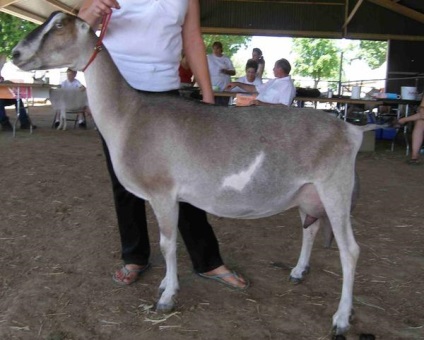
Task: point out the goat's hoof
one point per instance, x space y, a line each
339 332
165 307
297 280
338 337
341 326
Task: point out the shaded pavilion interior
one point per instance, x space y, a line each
400 22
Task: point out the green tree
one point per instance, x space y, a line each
12 30
316 58
374 53
231 43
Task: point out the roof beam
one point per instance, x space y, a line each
20 13
352 14
395 7
61 6
4 3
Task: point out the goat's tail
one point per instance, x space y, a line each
370 127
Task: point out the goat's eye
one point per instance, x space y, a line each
59 25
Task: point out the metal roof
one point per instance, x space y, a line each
357 19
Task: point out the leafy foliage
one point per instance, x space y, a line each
12 30
231 43
373 52
316 58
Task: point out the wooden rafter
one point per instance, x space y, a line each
352 14
20 13
395 7
62 7
4 3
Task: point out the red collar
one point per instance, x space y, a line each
99 44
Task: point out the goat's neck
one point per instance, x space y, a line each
105 89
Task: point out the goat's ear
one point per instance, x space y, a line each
84 26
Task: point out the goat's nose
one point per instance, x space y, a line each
16 54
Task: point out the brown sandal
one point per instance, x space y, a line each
126 277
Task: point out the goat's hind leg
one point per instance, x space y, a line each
302 267
337 205
166 212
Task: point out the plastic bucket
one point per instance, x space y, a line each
408 92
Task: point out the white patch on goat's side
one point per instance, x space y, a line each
240 180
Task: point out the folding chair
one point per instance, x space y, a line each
67 102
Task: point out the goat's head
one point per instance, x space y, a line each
56 43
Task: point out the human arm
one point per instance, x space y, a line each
260 71
195 52
246 87
418 116
228 72
420 109
92 11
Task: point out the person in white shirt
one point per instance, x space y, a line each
280 90
158 31
72 83
250 78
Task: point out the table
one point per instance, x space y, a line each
344 101
18 91
371 103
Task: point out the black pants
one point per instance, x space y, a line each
195 230
23 117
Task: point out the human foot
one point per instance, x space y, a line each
129 273
229 278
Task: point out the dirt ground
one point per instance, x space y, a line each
59 246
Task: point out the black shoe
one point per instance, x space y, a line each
6 126
82 125
56 124
27 126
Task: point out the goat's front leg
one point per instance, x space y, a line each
302 267
167 215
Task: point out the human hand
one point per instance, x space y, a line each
97 9
230 86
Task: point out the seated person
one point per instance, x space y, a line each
72 83
280 90
250 78
417 132
23 116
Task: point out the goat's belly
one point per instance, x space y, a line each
241 206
